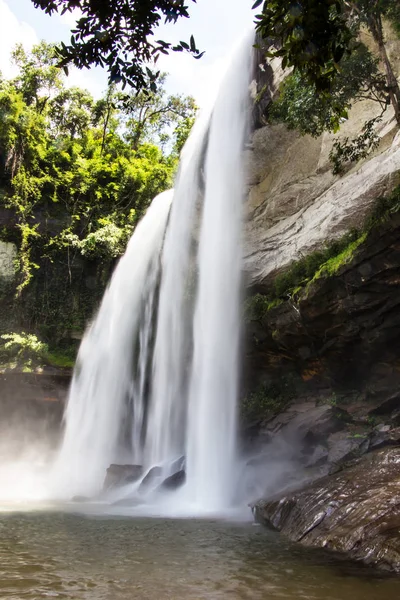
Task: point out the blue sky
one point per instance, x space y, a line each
216 25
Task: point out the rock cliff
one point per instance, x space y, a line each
296 205
322 366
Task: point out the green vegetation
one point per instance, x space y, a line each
58 359
76 175
293 282
25 351
310 35
331 68
119 36
255 307
313 36
289 284
22 350
349 151
300 107
267 401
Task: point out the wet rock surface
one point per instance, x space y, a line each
118 475
150 478
338 344
174 481
356 511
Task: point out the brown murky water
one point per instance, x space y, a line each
61 555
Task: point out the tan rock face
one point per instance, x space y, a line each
295 204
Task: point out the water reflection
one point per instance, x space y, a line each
61 555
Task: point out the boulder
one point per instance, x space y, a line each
150 477
174 481
178 464
385 436
307 423
344 446
356 511
118 475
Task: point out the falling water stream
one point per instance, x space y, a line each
156 376
103 378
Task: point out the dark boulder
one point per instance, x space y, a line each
178 465
118 475
174 481
385 436
150 477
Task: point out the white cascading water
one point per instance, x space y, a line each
165 436
102 382
211 428
178 392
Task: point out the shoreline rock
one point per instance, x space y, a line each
355 511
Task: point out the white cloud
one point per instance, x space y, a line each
12 32
70 17
84 79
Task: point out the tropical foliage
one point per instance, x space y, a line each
332 69
313 36
119 35
302 108
76 174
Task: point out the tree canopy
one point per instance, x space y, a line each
313 36
119 35
76 174
301 107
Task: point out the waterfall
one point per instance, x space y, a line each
212 397
165 437
157 372
103 380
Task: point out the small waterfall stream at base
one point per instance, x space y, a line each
157 371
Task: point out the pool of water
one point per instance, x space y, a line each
54 554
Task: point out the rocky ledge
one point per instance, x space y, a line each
356 511
325 371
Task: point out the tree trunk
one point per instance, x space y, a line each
105 127
137 135
375 26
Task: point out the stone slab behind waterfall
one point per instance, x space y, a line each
118 475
